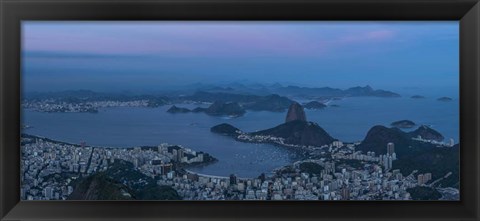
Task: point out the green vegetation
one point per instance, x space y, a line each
159 193
311 168
415 155
357 164
424 193
286 170
100 187
438 161
121 182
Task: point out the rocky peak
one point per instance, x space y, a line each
295 112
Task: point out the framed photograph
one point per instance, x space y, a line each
240 110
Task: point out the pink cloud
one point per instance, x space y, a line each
203 39
377 35
380 35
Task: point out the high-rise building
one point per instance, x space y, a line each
166 168
390 148
337 144
135 162
390 159
345 192
48 192
330 167
386 161
420 179
179 155
427 177
233 179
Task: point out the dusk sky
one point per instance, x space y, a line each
106 56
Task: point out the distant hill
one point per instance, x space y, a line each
244 88
445 99
174 109
204 96
358 91
417 97
225 108
218 108
315 105
368 91
272 102
309 91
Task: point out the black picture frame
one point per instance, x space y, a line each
12 12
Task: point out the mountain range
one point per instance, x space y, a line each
295 91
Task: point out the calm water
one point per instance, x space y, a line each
125 127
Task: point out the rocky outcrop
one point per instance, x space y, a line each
295 112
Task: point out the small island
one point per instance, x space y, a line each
404 124
417 97
444 99
226 129
174 109
216 109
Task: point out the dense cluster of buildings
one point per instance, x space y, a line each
373 181
297 185
49 167
52 105
450 143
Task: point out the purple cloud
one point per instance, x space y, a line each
206 38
